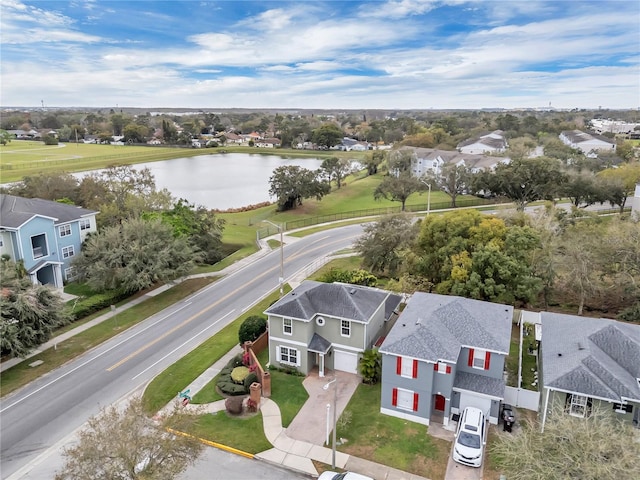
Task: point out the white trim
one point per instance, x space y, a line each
339 346
407 392
68 248
348 335
284 326
67 230
477 394
485 349
405 416
593 397
320 321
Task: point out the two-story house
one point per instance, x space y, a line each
493 142
327 325
589 363
44 235
588 144
443 354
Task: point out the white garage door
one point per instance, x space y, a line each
469 400
345 361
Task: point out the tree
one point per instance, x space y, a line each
328 135
621 182
290 184
5 137
597 447
370 366
251 328
336 169
28 313
520 148
373 160
48 186
453 180
202 229
128 445
134 255
134 133
382 242
524 181
584 188
397 188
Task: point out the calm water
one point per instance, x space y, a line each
223 180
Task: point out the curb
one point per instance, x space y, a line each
214 444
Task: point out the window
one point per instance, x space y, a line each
578 405
289 356
479 358
345 328
404 399
442 367
622 407
67 251
65 230
287 326
85 224
69 273
407 367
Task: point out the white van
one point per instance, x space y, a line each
471 437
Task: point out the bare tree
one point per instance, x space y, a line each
598 447
127 445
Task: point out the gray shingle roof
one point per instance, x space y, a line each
578 136
319 344
597 357
479 383
435 327
339 300
15 211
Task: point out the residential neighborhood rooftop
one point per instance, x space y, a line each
15 211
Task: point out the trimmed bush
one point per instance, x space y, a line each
251 378
230 388
234 405
252 328
239 374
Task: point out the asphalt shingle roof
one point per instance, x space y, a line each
339 300
479 383
435 327
15 211
597 357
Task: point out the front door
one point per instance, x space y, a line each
439 404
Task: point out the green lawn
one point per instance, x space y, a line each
389 440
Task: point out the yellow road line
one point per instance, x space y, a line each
213 444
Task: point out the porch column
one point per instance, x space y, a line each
321 365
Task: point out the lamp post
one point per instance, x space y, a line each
428 184
281 280
333 435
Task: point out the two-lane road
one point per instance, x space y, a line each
37 417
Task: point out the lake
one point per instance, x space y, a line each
222 181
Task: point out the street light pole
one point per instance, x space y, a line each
281 280
428 184
333 435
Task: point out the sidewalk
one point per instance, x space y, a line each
295 454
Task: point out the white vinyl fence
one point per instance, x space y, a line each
521 398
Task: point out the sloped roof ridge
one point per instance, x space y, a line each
618 346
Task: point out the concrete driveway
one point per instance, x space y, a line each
455 471
310 424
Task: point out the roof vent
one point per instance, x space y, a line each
352 291
559 354
580 346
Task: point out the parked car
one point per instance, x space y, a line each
508 417
343 476
471 437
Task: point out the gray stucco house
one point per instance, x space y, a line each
443 354
327 325
44 235
589 363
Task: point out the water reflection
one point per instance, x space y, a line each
222 181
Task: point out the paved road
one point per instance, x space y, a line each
39 416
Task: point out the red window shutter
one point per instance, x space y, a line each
415 402
487 359
435 367
448 368
415 369
394 397
471 357
399 365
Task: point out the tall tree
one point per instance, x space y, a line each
290 184
5 138
373 160
328 135
126 444
397 188
621 182
454 180
382 242
28 313
134 255
336 169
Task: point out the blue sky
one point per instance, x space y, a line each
393 54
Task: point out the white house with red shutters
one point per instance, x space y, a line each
443 354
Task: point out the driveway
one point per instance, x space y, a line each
310 424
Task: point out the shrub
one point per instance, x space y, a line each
234 405
239 374
252 406
230 388
251 378
252 328
86 306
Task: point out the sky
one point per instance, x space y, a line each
386 54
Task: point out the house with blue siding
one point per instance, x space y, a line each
443 354
327 325
44 235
